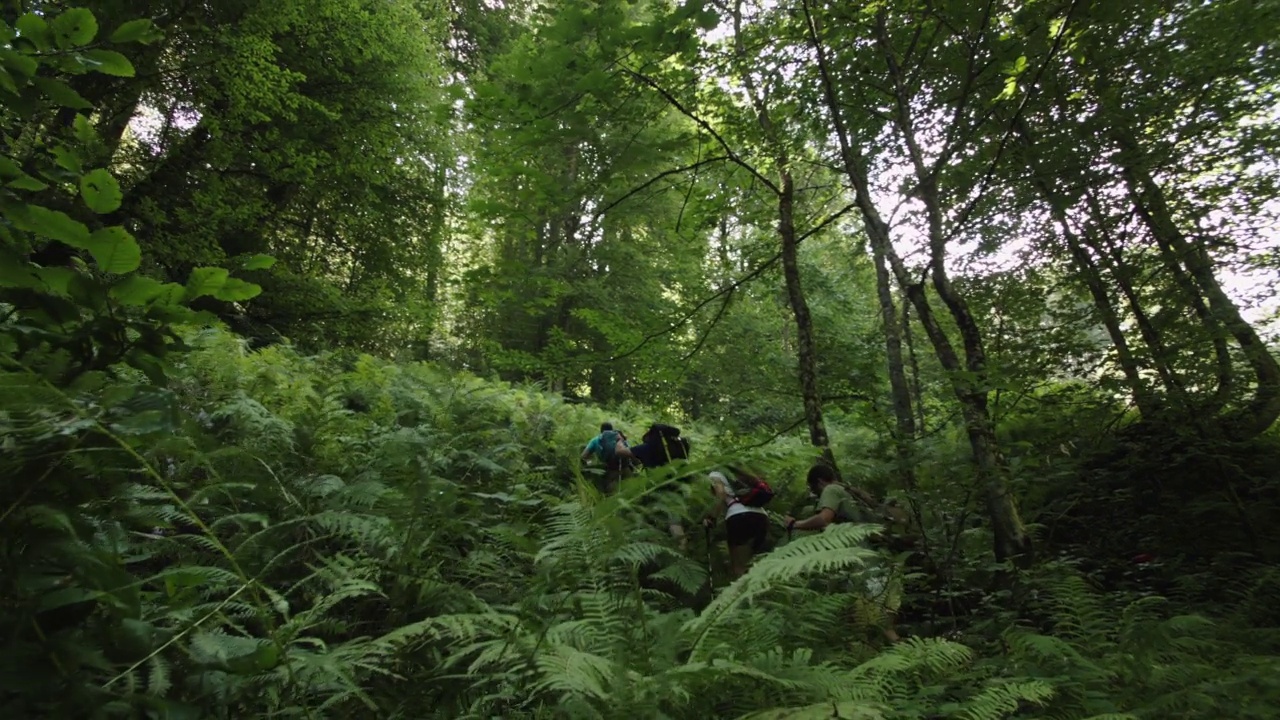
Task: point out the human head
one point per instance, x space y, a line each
719 477
605 426
820 476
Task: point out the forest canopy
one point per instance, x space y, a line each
309 308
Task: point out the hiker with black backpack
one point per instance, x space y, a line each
746 524
883 581
611 448
659 445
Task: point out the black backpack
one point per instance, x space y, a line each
666 439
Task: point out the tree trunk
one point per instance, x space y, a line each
1149 200
1089 273
805 349
1162 356
904 423
1011 539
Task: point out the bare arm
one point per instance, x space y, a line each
817 521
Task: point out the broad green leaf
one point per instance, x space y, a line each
84 132
67 596
57 225
109 62
20 63
74 28
6 82
57 278
150 365
34 28
141 30
15 271
101 192
61 93
26 182
9 168
205 281
115 250
257 262
67 159
171 294
136 290
235 290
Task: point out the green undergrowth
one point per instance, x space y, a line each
273 535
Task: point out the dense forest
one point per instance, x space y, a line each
308 309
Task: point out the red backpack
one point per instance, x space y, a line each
752 491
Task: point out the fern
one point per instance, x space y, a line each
838 549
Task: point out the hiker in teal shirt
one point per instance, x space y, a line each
610 447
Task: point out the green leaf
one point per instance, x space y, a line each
136 290
109 62
205 281
33 27
115 250
15 271
257 262
235 290
101 192
171 294
20 63
61 93
84 132
6 82
10 168
26 182
67 159
141 30
57 278
67 596
74 28
57 225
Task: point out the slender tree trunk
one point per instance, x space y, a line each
1162 356
1149 200
1146 401
916 388
904 423
805 349
1011 539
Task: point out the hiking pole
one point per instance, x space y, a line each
711 580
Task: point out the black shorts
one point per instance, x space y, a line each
748 528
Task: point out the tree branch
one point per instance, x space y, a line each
729 153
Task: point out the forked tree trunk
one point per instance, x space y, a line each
1149 200
1143 397
1011 541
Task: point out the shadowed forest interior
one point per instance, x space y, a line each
309 310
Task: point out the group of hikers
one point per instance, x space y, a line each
740 497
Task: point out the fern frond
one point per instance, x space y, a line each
568 670
158 681
638 554
846 710
839 548
688 576
1001 700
